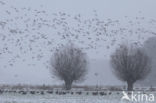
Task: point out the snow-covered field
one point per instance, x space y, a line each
56 99
84 97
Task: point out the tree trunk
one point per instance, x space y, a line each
130 86
68 85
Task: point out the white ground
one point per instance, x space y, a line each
47 98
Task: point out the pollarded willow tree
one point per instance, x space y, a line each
130 64
70 65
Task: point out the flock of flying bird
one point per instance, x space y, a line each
27 33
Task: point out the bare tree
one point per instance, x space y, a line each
69 64
130 64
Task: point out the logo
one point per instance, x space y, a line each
138 97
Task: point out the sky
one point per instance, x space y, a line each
21 73
109 8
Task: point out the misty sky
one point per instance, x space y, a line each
109 8
99 63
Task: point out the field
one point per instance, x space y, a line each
47 96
